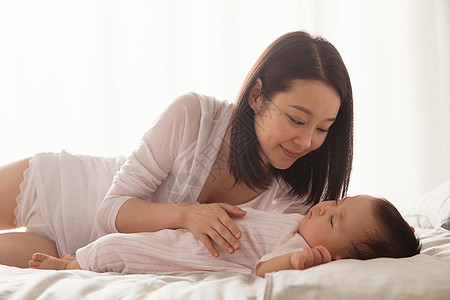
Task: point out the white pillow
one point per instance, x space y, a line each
435 205
419 277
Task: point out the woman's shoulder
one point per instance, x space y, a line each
194 104
188 117
184 110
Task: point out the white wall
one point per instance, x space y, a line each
90 76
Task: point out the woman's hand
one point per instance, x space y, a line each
212 222
310 257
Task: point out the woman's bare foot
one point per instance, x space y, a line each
44 261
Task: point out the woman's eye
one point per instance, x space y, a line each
322 130
295 121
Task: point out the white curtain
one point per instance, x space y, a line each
91 76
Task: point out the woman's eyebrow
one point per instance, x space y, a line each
307 111
302 108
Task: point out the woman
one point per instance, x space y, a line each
285 145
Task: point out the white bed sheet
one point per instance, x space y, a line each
425 276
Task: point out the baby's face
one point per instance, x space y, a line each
335 224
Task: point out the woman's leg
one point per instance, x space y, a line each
16 248
11 176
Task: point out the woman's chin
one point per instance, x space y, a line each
282 166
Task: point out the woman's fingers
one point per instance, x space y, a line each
228 229
212 223
221 237
205 239
224 233
228 222
233 210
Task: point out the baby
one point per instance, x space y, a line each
360 227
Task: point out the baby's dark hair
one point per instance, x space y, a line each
393 237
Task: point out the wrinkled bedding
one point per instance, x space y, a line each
424 276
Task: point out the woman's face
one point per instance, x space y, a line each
295 122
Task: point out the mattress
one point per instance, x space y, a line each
423 276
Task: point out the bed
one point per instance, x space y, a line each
424 276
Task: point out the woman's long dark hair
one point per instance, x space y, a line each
323 173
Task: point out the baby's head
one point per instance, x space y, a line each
361 227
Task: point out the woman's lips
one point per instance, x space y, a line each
289 153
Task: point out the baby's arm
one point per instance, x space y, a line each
307 258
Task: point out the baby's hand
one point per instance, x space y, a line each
310 257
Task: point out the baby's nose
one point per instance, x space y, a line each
322 210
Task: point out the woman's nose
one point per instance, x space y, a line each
304 139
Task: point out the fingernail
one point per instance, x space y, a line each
237 234
236 246
216 254
230 250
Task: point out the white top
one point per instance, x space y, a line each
175 157
178 252
170 165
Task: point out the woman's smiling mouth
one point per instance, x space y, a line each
289 153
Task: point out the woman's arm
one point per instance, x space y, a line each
129 206
208 222
138 215
307 258
146 169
